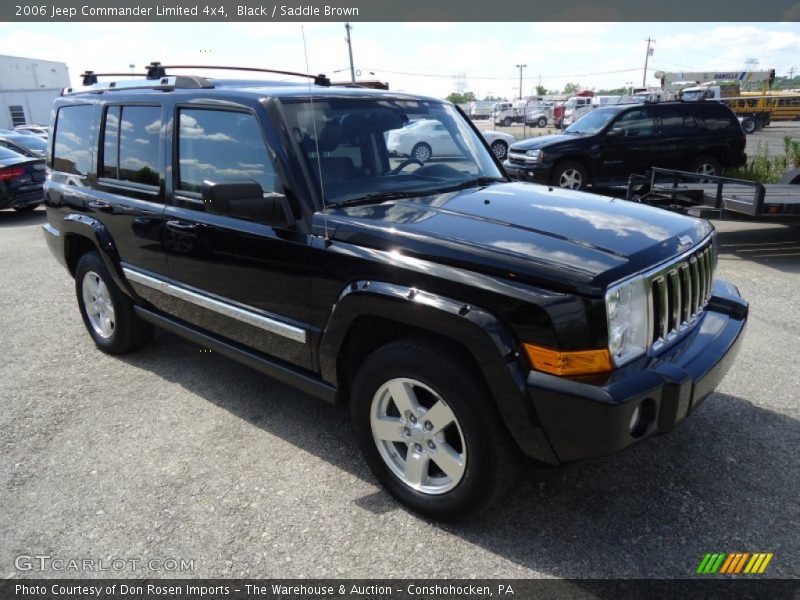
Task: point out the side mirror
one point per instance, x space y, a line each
244 199
615 132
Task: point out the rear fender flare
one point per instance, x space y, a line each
80 225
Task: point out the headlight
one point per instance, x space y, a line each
626 307
534 155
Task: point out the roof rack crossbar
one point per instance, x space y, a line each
90 77
155 70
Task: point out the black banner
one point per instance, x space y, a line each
393 589
401 11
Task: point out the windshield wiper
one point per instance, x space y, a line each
378 197
477 182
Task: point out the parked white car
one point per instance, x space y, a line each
498 142
422 140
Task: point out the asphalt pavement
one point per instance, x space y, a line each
175 453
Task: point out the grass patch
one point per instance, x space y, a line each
769 169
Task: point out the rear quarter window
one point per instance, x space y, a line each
73 140
717 117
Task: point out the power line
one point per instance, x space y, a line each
487 77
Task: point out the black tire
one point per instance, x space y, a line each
542 122
500 149
506 122
568 171
749 125
492 460
705 165
422 152
27 208
129 332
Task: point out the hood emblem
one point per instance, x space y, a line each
684 242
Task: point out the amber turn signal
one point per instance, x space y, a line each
583 362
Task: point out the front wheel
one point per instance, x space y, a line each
107 312
500 149
749 125
421 152
542 122
570 175
506 122
429 431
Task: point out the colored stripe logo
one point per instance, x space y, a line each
734 563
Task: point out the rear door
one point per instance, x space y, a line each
108 163
243 279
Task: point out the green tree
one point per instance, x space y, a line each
571 88
541 90
455 98
492 98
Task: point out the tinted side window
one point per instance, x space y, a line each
222 145
671 120
73 143
636 123
140 128
110 160
717 118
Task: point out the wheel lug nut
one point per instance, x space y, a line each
428 425
412 418
431 445
406 432
418 447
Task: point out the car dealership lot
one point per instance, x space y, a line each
173 452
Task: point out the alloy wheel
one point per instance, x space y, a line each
98 304
570 179
418 436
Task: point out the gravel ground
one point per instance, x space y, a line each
176 453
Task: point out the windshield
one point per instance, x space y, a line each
592 122
693 95
375 147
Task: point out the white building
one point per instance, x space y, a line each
28 87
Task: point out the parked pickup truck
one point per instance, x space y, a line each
466 320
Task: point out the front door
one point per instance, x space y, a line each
240 278
632 150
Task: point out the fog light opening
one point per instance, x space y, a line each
642 417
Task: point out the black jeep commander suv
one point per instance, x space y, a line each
466 319
607 145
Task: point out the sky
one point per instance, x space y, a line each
422 58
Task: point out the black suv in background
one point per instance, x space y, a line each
609 144
466 319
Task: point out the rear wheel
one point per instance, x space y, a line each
706 165
749 125
107 312
429 431
569 174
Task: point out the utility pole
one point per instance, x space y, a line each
791 72
520 67
647 55
348 27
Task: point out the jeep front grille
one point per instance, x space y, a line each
678 293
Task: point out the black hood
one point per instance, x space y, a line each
525 232
543 141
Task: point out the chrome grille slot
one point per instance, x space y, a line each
678 293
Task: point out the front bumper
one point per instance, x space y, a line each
582 420
534 172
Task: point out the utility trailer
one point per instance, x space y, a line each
711 196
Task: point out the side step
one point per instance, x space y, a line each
273 368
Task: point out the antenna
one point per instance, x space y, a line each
316 141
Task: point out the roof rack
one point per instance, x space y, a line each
156 77
155 70
165 83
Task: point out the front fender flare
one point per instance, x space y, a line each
479 331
